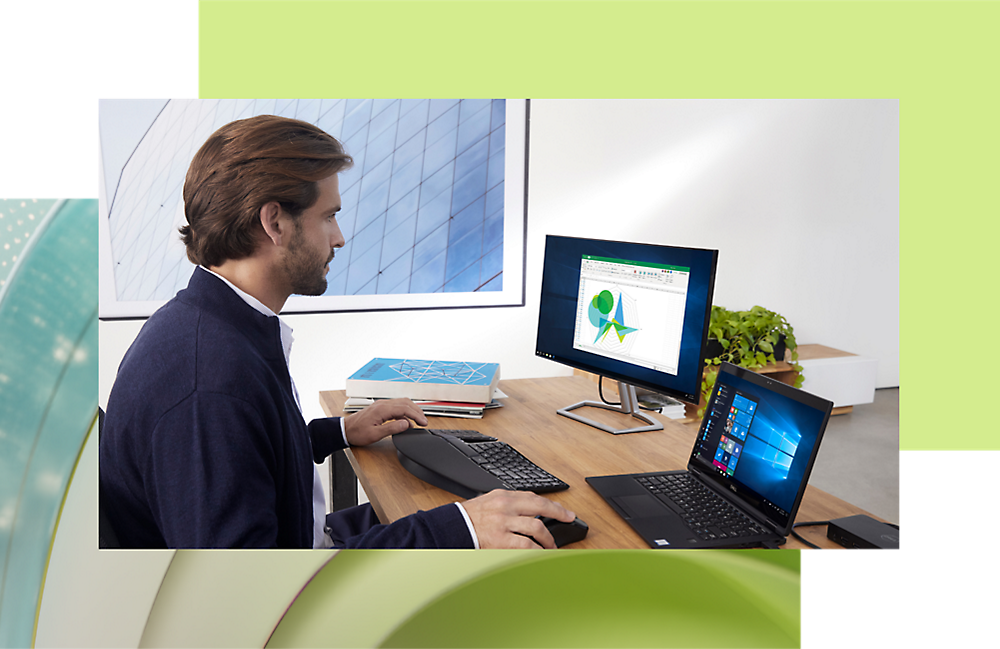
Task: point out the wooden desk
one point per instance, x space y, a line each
569 450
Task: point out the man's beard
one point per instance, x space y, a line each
305 272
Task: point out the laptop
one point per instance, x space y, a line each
752 458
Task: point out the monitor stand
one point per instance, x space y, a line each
629 406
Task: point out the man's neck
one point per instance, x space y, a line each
250 276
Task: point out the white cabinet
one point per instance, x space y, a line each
845 379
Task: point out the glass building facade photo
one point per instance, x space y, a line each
423 205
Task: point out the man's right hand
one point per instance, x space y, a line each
381 419
506 519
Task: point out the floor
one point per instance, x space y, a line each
859 456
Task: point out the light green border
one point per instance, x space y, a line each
938 58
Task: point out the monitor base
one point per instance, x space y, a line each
629 406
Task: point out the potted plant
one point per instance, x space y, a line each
750 339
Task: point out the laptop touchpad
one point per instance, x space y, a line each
641 506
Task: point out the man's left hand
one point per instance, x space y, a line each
381 419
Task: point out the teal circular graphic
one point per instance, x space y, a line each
48 393
600 307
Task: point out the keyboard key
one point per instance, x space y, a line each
514 469
705 512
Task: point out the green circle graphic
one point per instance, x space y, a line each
604 301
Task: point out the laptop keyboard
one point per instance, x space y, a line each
705 512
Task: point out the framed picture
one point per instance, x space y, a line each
434 208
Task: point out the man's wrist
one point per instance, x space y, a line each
468 522
343 432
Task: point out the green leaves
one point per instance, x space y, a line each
748 339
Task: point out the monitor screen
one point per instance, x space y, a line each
633 312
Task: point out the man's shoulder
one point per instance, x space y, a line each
180 338
199 341
164 337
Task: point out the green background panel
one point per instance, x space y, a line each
937 58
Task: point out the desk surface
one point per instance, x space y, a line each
569 450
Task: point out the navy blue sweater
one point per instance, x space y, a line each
204 446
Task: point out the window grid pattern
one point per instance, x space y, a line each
423 204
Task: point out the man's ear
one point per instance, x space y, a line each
270 219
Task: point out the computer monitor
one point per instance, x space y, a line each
633 312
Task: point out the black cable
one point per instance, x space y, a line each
600 391
807 524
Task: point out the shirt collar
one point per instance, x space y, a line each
260 307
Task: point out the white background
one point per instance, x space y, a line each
804 188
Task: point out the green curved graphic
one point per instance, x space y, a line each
566 598
48 397
616 599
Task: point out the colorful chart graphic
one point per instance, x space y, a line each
600 316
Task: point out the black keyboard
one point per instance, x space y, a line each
705 512
468 463
503 461
512 468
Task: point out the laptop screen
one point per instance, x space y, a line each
759 439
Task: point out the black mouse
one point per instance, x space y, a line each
565 533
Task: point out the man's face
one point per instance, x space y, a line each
316 235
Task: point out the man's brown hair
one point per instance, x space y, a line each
245 165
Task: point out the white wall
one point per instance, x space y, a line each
800 197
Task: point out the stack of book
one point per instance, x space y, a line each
666 406
673 408
442 388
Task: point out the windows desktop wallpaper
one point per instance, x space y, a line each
778 444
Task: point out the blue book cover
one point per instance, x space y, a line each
417 379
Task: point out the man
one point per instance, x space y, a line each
204 444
